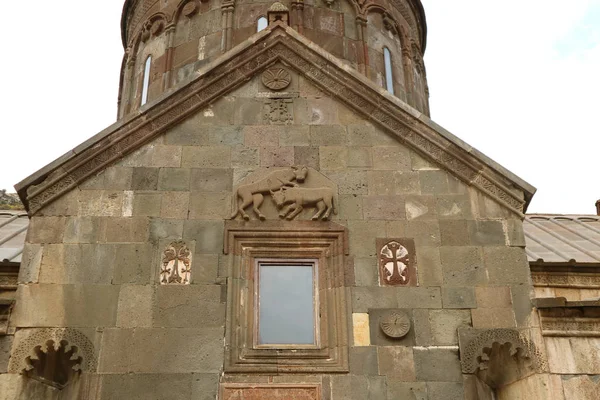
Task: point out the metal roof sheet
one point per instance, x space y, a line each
571 239
13 229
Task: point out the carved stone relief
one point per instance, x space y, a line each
271 392
397 262
288 198
176 264
279 111
395 324
276 78
53 355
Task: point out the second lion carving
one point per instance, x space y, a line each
298 197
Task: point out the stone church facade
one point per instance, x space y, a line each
275 216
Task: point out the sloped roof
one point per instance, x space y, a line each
573 239
13 228
277 43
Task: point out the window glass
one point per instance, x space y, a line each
286 303
262 24
389 79
146 80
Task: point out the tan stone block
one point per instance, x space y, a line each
333 157
578 355
174 205
429 266
362 239
397 362
30 263
384 207
206 157
52 264
200 303
244 157
135 306
360 157
488 318
350 207
493 297
276 156
393 158
532 387
133 229
146 204
349 181
328 135
361 331
294 136
100 203
308 156
46 229
262 135
577 387
166 156
207 205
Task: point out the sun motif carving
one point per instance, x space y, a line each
177 259
395 324
276 78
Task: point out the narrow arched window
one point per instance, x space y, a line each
261 24
389 76
146 81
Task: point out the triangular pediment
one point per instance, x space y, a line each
233 69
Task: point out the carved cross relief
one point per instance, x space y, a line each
397 262
176 264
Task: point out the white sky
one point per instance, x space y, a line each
517 79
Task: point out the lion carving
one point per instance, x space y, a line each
298 197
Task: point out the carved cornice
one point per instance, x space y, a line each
570 327
284 45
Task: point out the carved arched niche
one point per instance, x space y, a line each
499 357
54 356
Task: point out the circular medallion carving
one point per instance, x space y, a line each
395 324
190 9
157 27
276 78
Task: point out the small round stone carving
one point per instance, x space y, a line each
190 9
276 78
395 324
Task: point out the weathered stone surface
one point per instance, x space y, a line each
488 318
444 325
445 390
126 230
391 158
206 157
5 346
144 178
165 229
211 179
437 364
407 390
506 264
174 205
200 304
361 329
133 263
458 297
487 233
454 233
397 362
146 204
181 350
207 234
462 266
30 263
493 296
364 361
135 306
573 355
173 179
146 386
580 387
46 230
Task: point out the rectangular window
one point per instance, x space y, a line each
287 301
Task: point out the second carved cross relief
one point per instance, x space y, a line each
295 192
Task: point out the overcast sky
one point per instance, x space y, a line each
518 79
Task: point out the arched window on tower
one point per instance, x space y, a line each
146 80
387 65
261 24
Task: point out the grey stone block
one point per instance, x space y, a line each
453 206
407 390
207 234
188 133
458 297
422 327
362 239
146 204
144 178
420 207
366 271
364 298
363 360
295 136
462 266
244 157
211 179
46 230
165 229
205 386
333 157
429 266
135 263
397 362
206 157
124 230
31 261
175 205
328 135
173 179
146 386
349 182
166 156
425 233
506 264
350 207
445 390
179 350
308 156
6 345
434 182
360 157
84 230
226 135
395 158
384 207
454 233
444 325
210 205
135 306
200 304
435 364
514 232
118 178
419 297
486 233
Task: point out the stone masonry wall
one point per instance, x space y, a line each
93 257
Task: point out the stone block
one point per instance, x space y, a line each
320 112
351 207
420 207
139 158
395 158
486 233
126 230
328 135
361 329
166 156
6 344
573 355
200 304
425 233
205 386
31 261
453 206
46 230
65 305
135 306
118 178
206 157
101 203
419 297
231 135
165 229
422 327
366 271
397 363
333 157
308 156
362 239
522 306
514 233
360 157
211 179
444 325
475 389
488 318
454 233
506 264
294 136
84 230
208 205
17 386
379 338
384 207
434 182
462 266
349 181
169 350
94 182
262 136
579 387
437 364
67 204
363 361
205 268
445 390
175 205
429 266
134 264
420 163
147 386
146 204
188 133
364 298
493 297
174 179
144 178
244 157
407 390
78 263
276 156
458 297
207 234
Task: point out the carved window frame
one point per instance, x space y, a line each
248 242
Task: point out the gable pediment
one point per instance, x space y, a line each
277 44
